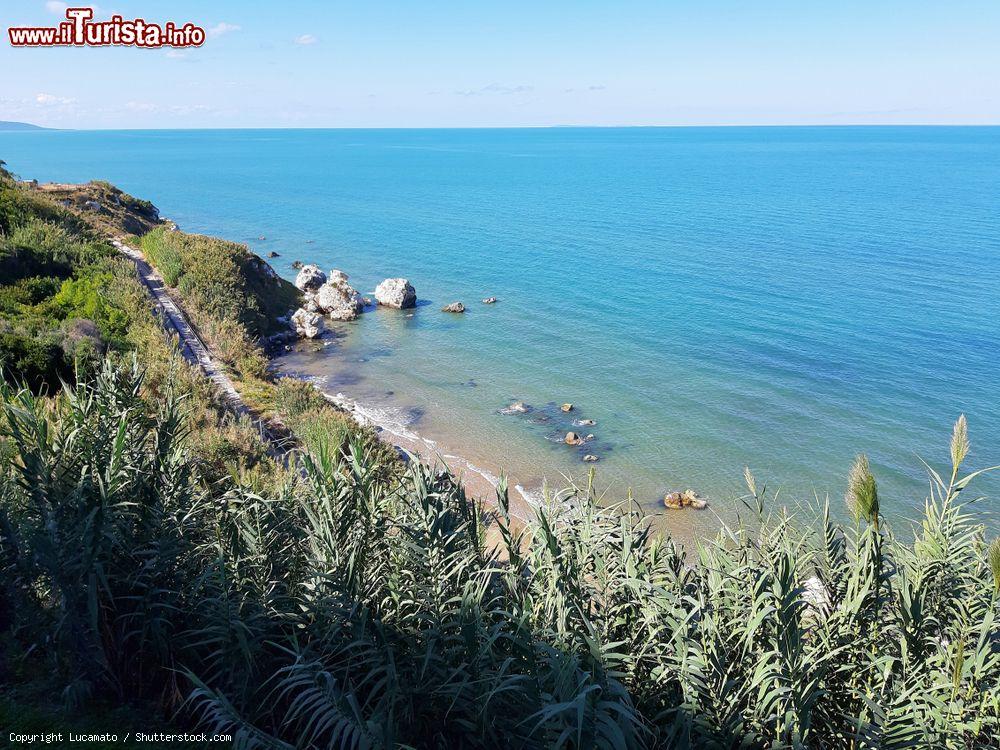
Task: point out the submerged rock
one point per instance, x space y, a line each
273 254
518 407
585 422
686 499
307 324
338 299
490 301
454 307
310 278
591 458
296 264
397 293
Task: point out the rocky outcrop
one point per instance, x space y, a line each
398 293
686 499
566 407
490 301
310 278
454 307
573 438
307 324
337 298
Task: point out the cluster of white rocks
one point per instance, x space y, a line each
333 297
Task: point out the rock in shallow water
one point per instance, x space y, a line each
310 278
518 407
573 439
686 499
490 301
307 324
454 307
567 407
397 293
338 299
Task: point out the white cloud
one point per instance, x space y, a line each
222 28
142 107
306 39
48 100
176 54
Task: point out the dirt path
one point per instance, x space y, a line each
194 349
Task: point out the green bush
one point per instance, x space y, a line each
89 297
339 608
220 280
37 361
27 293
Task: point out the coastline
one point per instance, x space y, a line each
480 483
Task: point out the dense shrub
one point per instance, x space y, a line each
37 361
221 280
341 609
27 293
90 297
50 278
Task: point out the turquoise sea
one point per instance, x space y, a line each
781 298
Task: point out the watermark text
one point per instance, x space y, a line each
81 30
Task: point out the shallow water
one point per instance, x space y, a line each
712 297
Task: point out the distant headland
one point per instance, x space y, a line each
10 125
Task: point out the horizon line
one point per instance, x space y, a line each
43 128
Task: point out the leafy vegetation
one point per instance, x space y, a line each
58 298
341 607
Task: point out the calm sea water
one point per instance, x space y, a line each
777 297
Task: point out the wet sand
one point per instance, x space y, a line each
479 482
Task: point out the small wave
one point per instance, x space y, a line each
389 421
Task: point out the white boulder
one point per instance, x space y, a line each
310 278
338 299
398 293
307 324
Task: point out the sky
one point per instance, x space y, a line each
478 63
